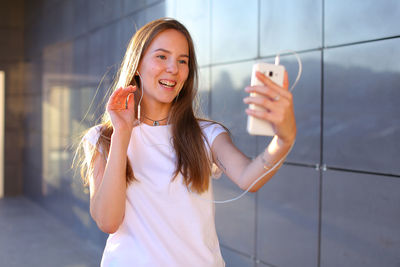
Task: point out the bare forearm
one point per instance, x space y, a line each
265 165
108 203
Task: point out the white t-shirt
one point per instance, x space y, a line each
165 224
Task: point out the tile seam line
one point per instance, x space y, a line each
258 58
361 42
297 164
321 139
306 165
301 51
256 197
363 172
267 263
105 24
236 251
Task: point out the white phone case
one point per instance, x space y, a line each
256 126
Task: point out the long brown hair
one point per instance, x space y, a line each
193 161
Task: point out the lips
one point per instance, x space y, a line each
167 83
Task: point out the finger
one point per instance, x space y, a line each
272 85
123 92
268 92
118 98
286 81
120 94
274 117
262 90
114 96
262 102
115 106
261 114
129 101
127 91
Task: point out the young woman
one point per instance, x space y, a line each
149 163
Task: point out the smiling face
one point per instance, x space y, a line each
164 68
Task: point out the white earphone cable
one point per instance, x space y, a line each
300 68
278 163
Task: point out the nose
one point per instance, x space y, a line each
172 66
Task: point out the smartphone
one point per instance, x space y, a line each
276 73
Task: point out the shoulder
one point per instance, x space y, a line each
92 135
211 129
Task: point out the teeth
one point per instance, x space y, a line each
167 83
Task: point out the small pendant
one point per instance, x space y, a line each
156 123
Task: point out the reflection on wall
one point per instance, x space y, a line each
2 95
73 49
71 103
362 126
346 105
54 142
65 103
355 21
196 16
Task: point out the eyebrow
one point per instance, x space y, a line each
169 52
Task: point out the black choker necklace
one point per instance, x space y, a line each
155 122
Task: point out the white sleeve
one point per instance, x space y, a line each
90 139
92 135
212 130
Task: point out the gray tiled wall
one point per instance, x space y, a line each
358 21
361 111
233 30
360 218
293 25
287 220
335 201
11 62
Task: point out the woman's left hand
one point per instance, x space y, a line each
277 106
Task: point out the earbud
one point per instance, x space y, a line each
141 97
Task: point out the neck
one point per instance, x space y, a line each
150 121
156 115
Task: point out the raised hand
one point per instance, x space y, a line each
121 109
277 106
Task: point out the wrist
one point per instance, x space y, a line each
121 136
284 143
276 152
277 147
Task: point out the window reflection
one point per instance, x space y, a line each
234 30
354 21
66 115
2 91
361 122
294 25
196 17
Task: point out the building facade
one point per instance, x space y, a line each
335 202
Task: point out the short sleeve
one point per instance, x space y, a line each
211 130
91 137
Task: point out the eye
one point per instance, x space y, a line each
162 57
182 61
